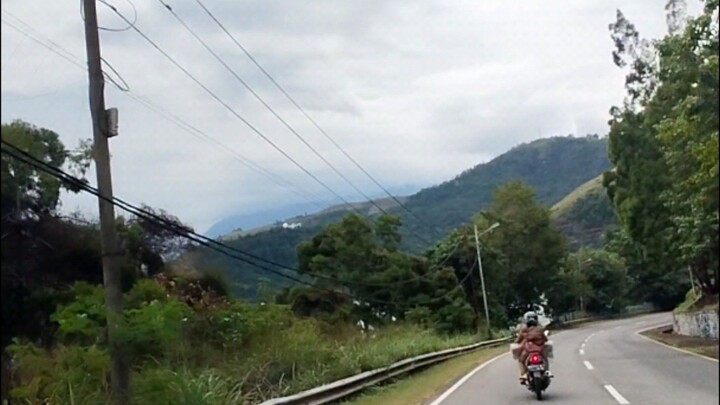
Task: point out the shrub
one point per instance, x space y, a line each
155 327
70 374
166 387
144 292
82 320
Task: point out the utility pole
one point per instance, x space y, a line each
470 286
111 255
580 270
480 269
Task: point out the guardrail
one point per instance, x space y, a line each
351 385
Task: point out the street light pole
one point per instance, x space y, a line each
582 300
480 269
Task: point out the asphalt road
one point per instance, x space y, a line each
603 363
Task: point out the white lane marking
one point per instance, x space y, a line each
583 345
463 380
615 394
677 349
582 352
588 365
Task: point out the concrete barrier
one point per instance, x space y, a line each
703 324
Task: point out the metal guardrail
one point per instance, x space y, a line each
340 389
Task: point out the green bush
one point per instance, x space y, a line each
71 374
144 292
154 328
82 320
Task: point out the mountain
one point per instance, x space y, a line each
585 215
240 225
554 167
257 219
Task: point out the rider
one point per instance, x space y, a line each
531 333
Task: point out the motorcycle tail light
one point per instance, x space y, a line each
535 359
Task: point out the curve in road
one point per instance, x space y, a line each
605 363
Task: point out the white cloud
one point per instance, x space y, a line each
416 91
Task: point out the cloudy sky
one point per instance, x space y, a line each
416 91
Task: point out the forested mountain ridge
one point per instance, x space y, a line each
554 167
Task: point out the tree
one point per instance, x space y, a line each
362 260
530 247
663 286
40 251
26 189
686 111
604 280
663 143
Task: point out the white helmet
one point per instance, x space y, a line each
530 315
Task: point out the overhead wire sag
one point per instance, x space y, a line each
72 60
181 231
312 120
237 115
274 113
192 130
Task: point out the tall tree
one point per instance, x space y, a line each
26 189
663 143
531 248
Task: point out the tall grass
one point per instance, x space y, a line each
222 353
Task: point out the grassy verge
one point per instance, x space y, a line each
420 387
705 347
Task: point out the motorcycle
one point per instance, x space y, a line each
538 376
538 373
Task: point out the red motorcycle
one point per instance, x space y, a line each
538 376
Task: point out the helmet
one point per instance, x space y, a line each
530 318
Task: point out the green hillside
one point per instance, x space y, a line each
585 215
554 167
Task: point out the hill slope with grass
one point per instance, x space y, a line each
585 215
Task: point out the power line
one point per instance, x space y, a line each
315 124
192 130
273 112
237 115
79 183
182 231
32 34
175 228
182 124
178 121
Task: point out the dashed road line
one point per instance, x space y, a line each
588 365
615 394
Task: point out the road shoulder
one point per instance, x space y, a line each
425 386
703 348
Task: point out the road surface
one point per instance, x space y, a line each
604 363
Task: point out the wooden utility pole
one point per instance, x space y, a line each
111 255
